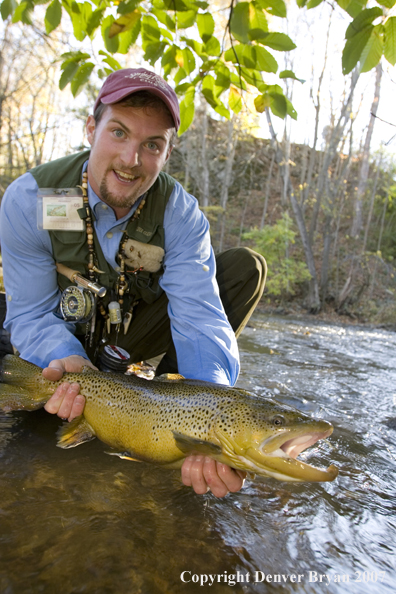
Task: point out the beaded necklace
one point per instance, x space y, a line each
122 284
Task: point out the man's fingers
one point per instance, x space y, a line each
77 408
66 406
212 478
56 399
233 479
203 474
53 372
66 401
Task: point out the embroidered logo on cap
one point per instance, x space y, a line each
152 79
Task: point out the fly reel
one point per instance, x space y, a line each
77 304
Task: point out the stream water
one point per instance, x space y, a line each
80 521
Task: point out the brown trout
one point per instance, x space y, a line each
164 420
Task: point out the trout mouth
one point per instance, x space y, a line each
277 457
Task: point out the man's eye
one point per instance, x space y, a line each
152 146
119 133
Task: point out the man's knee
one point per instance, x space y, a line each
244 264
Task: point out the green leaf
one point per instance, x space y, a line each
128 6
168 60
73 57
222 110
186 19
94 21
390 40
235 99
150 29
290 74
23 13
274 7
196 46
111 43
187 111
290 109
223 75
258 25
165 19
206 26
238 81
53 16
185 59
373 49
112 62
265 60
252 77
153 51
261 102
278 41
127 39
212 47
177 5
81 78
387 3
353 49
365 18
126 22
278 105
7 8
313 4
240 23
208 90
68 73
352 7
180 75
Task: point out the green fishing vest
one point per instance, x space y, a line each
70 247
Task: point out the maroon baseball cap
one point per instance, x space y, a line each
124 82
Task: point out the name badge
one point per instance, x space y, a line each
57 209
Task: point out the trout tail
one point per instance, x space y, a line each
22 386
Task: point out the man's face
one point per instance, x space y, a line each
129 147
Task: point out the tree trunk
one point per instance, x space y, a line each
230 155
335 138
364 169
313 301
204 161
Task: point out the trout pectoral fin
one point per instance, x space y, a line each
169 377
123 456
189 445
73 434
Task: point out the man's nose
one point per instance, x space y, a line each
131 155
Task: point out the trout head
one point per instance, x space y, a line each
266 437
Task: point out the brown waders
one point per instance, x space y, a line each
241 275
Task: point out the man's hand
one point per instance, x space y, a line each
203 474
66 401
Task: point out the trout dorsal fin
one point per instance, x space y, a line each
73 434
189 445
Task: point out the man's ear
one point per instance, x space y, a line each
90 128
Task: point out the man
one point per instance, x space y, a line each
132 210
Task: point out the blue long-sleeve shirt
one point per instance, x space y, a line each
205 343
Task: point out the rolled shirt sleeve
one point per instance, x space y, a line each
205 343
30 280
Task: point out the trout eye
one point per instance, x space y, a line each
278 420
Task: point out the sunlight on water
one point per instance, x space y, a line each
81 521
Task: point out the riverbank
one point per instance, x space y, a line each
384 319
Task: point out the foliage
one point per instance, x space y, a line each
273 242
221 66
